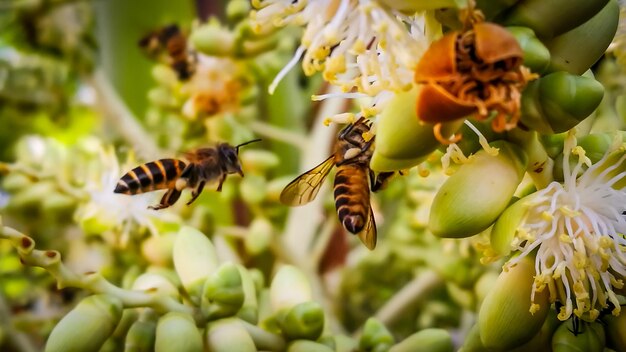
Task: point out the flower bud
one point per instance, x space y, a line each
544 337
228 335
595 145
427 340
213 40
13 182
258 161
472 198
141 336
559 101
194 259
237 10
503 231
536 55
586 339
129 317
302 321
504 319
472 341
259 236
483 285
253 189
223 294
249 309
551 18
577 49
87 326
155 283
158 249
402 141
307 346
177 332
375 336
164 75
616 331
289 288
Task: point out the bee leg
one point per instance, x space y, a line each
196 192
219 186
169 198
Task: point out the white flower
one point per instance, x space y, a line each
359 45
120 212
577 230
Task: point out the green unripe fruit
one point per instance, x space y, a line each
472 198
87 326
375 336
177 332
427 340
307 346
141 337
504 319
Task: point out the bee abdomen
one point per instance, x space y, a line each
151 176
351 198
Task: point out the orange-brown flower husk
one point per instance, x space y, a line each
473 73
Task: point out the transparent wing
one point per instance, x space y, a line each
305 188
369 233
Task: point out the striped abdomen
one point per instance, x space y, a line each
352 197
151 176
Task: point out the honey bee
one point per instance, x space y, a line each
353 182
172 40
206 165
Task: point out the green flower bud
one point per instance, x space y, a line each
30 197
463 297
559 101
259 236
258 161
550 18
483 285
194 259
302 321
544 337
307 346
129 316
237 10
595 145
141 336
289 288
473 342
60 204
158 249
223 293
504 319
155 283
249 309
576 50
616 331
164 76
177 332
472 198
536 55
87 326
253 189
344 343
491 8
162 97
13 182
402 141
587 339
503 231
211 39
427 340
375 336
228 335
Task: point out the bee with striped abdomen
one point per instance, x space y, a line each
353 182
205 165
171 40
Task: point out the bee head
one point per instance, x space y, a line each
230 156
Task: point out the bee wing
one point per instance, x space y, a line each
305 188
369 233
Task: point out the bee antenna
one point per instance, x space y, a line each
248 142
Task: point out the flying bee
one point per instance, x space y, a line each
353 182
205 165
172 40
